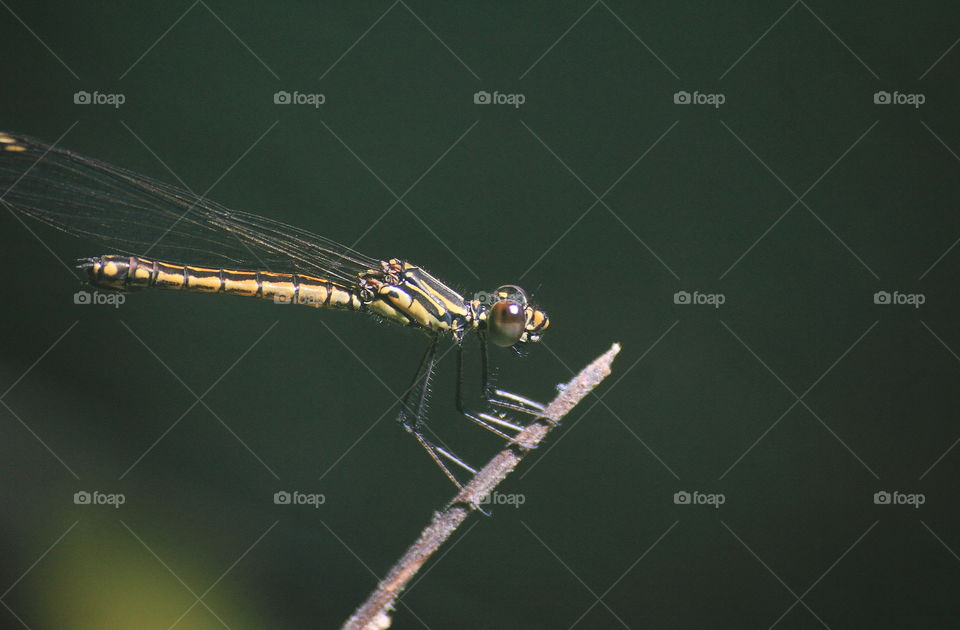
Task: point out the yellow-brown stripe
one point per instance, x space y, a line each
124 273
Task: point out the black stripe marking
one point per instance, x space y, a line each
430 302
131 269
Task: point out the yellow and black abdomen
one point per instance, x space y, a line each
127 273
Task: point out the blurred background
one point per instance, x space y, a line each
759 203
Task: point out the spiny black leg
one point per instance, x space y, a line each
499 397
424 390
437 453
413 413
492 396
410 414
485 389
484 420
517 402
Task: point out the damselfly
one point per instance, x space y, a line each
165 237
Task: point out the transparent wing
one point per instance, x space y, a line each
140 216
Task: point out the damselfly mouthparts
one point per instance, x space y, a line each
165 237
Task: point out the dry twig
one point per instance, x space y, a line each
374 614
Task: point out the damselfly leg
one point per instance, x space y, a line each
413 412
501 398
492 397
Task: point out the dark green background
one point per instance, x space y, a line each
599 519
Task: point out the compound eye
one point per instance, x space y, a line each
506 322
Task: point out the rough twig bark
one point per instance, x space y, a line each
374 613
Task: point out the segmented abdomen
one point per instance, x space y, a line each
123 273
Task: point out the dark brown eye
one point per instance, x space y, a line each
506 322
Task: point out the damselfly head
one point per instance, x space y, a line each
512 320
537 322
